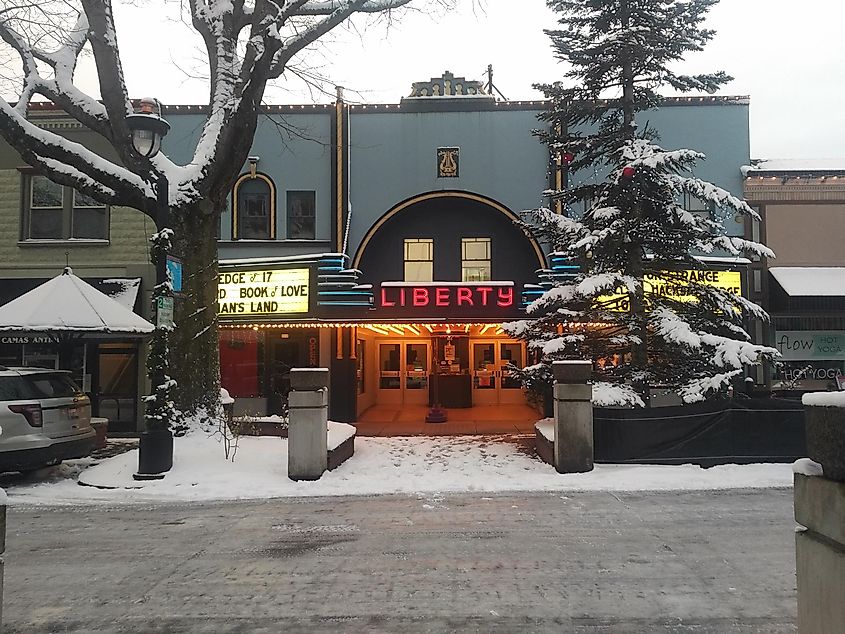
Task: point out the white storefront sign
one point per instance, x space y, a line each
811 345
266 292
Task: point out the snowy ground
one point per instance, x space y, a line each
380 465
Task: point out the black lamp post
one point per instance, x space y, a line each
156 442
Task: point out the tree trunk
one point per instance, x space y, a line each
195 356
639 351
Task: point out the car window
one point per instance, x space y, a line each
14 388
53 385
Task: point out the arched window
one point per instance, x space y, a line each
254 208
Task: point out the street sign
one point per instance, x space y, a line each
174 273
164 311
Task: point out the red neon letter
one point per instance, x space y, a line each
441 296
420 297
401 296
465 295
384 301
505 296
484 290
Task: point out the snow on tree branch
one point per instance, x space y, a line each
727 352
49 150
62 61
328 7
615 395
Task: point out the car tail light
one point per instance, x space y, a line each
32 413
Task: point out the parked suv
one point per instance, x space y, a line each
44 417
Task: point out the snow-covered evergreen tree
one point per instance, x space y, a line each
629 308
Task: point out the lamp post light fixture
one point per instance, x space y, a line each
156 443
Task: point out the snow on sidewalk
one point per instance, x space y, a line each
379 466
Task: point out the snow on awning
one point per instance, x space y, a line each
123 290
68 304
811 281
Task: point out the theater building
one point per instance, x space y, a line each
380 241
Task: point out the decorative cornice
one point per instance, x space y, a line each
35 108
776 190
447 86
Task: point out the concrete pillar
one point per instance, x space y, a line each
820 554
308 411
573 416
2 549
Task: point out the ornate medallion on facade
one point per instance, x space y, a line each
447 162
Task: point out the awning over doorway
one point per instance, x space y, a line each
811 281
68 304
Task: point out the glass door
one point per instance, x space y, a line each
116 382
510 391
389 373
492 382
417 363
403 372
484 379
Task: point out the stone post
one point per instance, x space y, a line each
2 549
573 416
308 408
820 554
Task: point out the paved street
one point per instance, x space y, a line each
709 562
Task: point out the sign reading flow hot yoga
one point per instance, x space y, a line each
265 292
809 345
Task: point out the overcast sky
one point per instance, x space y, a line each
788 56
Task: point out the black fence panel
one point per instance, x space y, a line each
736 431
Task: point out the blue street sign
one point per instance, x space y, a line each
174 273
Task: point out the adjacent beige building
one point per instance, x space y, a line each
802 206
45 227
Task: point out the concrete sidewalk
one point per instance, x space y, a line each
705 562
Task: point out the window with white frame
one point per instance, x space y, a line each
419 260
57 212
475 260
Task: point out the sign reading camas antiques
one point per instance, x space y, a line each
677 286
263 293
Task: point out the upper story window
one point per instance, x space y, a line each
419 260
254 208
302 223
697 206
56 212
475 260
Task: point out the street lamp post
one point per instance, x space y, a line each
156 443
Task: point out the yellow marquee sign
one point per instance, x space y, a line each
268 292
677 286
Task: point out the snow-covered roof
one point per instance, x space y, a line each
811 281
67 303
804 166
125 290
